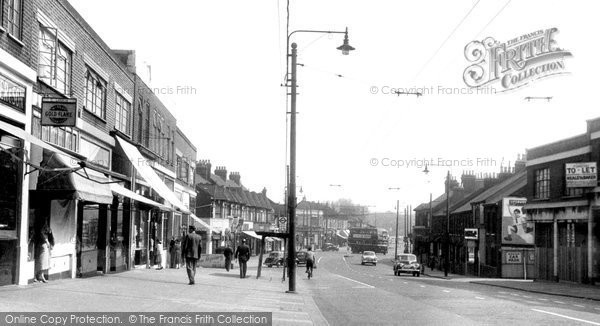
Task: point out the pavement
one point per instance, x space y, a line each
166 290
566 289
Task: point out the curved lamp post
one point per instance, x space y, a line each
291 201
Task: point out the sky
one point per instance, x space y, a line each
219 66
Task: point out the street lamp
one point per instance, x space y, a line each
291 202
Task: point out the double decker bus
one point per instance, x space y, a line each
368 238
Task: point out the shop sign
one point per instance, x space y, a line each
12 94
59 112
216 237
514 257
471 255
583 174
471 234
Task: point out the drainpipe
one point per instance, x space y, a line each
555 250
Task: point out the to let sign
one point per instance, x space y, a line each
59 112
584 174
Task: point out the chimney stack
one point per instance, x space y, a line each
469 182
221 171
203 169
520 163
235 177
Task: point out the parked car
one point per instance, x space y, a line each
301 257
369 257
407 263
330 247
275 258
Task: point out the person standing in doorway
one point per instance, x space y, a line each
242 254
191 252
44 243
227 252
159 254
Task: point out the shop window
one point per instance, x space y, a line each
89 236
574 192
12 93
122 110
10 189
95 94
54 66
542 184
65 137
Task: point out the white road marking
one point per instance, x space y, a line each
559 302
597 308
422 286
567 317
405 282
446 291
542 299
361 283
480 298
527 297
502 292
579 305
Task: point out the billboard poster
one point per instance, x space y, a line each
517 228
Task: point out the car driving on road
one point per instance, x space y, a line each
330 247
369 257
407 263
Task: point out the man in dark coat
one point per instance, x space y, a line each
227 252
243 255
190 252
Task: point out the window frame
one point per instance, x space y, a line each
122 114
9 18
56 49
97 84
541 183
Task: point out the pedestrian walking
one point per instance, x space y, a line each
242 254
44 242
227 252
191 252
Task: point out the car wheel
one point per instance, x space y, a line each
374 264
362 263
269 266
418 274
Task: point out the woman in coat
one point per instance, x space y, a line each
44 243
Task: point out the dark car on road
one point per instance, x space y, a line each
330 247
275 258
407 263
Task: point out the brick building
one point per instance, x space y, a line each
566 206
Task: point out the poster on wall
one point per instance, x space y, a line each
517 228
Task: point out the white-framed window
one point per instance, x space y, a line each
95 94
122 111
54 61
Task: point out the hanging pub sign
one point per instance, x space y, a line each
583 174
59 112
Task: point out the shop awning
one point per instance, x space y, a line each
253 234
573 203
118 189
20 133
88 185
341 234
141 165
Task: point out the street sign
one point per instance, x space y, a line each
282 219
471 234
